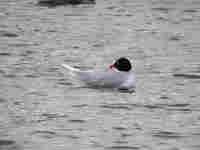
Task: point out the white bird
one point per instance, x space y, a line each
119 76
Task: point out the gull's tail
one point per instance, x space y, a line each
73 71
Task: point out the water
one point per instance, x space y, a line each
42 109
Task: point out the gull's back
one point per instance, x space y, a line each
110 79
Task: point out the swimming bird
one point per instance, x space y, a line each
119 76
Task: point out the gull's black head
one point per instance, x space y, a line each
122 64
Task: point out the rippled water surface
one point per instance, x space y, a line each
41 108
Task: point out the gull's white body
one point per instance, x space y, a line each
107 79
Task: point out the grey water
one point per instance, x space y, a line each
42 109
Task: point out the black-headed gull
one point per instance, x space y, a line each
119 76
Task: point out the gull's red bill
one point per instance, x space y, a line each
112 66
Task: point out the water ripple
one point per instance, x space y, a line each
121 142
8 34
130 106
162 9
190 10
64 82
176 107
167 135
187 76
73 137
33 75
5 54
45 133
54 3
77 121
2 100
6 142
119 128
49 116
80 106
116 106
124 147
52 116
172 107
